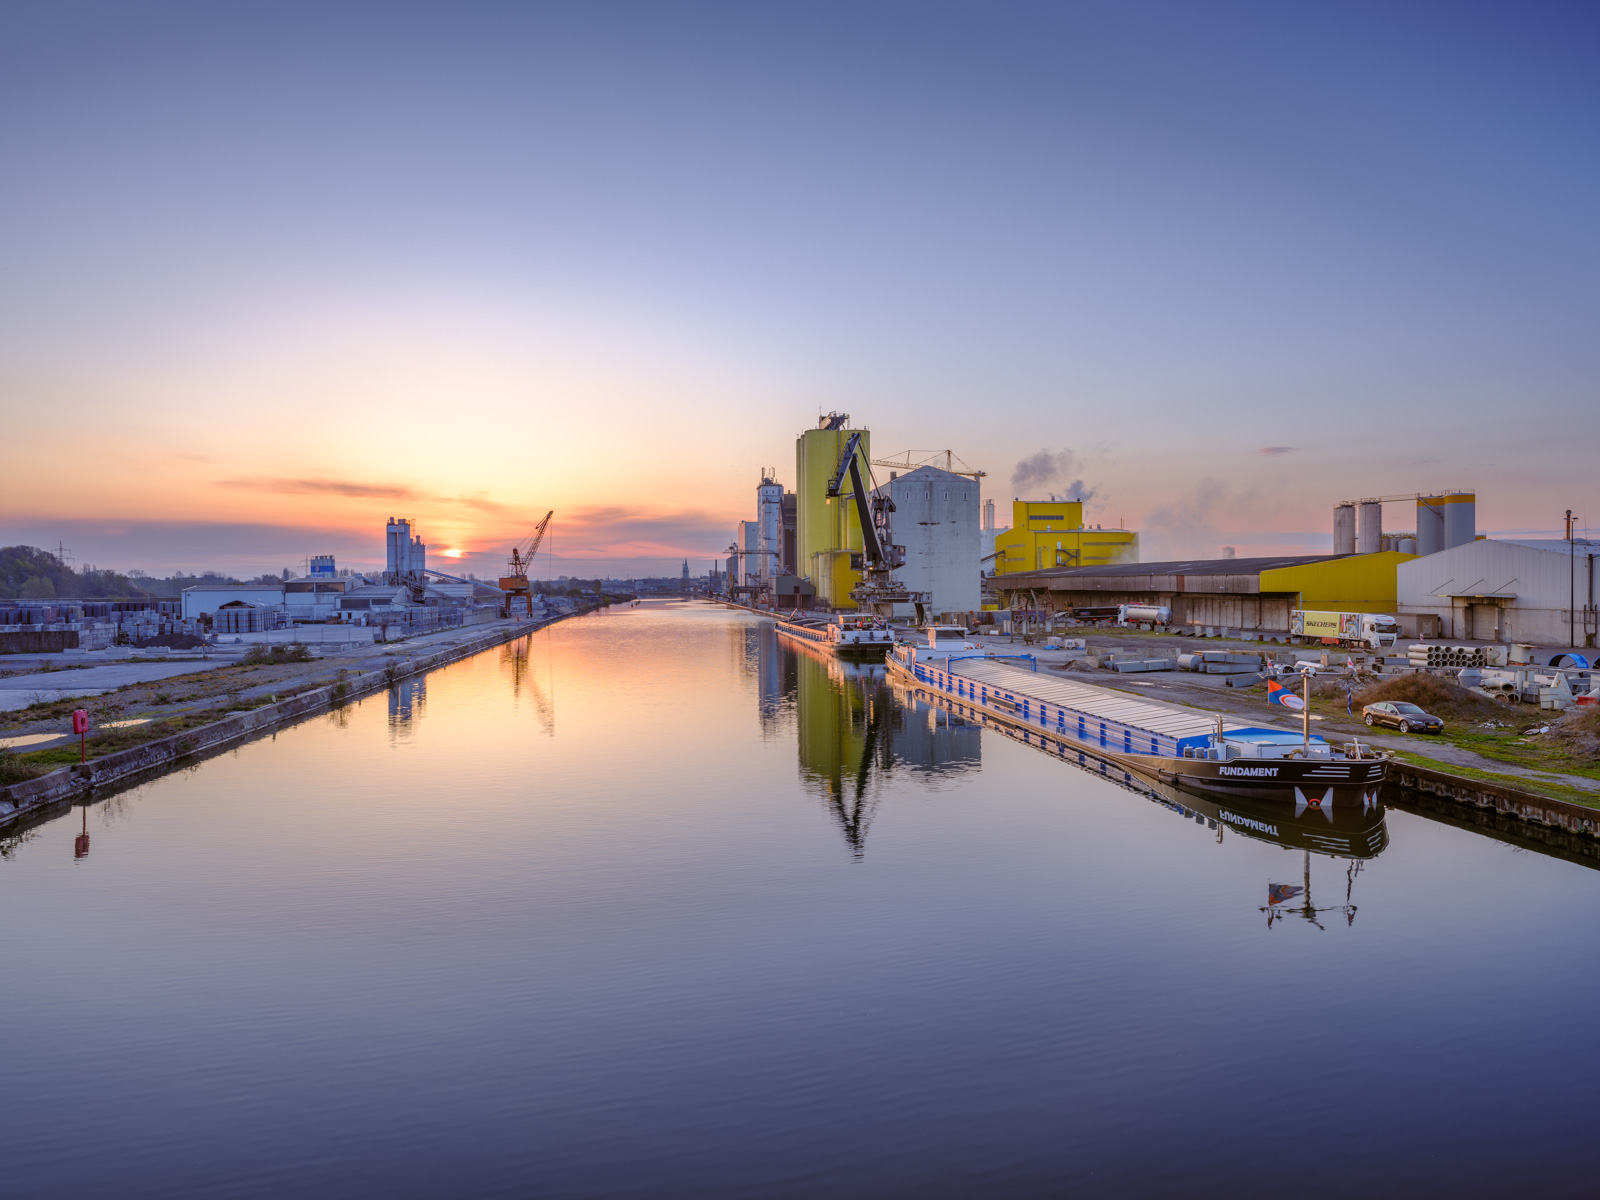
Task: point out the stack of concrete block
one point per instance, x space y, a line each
1219 662
1146 664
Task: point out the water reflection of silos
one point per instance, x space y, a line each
770 681
840 726
936 742
407 700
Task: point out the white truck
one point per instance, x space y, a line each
1372 630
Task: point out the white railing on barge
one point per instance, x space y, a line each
1083 713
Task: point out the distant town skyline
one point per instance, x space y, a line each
276 274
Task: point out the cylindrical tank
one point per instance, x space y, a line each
1369 527
1344 528
1460 519
1430 524
1160 614
1407 546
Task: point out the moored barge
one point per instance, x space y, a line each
1163 743
860 639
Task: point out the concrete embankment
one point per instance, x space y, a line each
141 763
1479 794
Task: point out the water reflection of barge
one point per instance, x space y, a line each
1355 831
1162 743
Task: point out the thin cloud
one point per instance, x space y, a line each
360 491
1274 451
322 487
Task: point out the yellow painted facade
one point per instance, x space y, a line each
1363 583
827 531
1046 534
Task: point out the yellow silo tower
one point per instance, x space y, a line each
827 530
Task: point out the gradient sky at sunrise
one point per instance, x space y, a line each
272 273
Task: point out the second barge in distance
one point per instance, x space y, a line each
865 639
1160 742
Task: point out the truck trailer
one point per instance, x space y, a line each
1372 630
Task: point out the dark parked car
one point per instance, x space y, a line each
1407 718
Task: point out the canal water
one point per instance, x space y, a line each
654 904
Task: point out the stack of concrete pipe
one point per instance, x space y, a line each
1450 656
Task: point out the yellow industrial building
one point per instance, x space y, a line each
1046 534
1359 583
827 531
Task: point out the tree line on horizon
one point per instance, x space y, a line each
29 573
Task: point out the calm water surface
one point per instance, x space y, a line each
652 904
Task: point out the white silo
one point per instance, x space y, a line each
769 525
397 539
1460 518
1430 524
1369 527
1344 528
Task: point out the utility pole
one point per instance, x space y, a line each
1572 585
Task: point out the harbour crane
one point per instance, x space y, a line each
904 462
878 592
515 581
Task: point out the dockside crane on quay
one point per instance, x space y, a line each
879 591
515 581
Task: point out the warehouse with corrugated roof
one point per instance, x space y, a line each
1247 594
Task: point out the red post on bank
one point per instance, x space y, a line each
80 726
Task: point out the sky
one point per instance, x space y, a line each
271 274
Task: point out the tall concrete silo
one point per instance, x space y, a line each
769 523
1344 528
1369 527
1460 518
1430 524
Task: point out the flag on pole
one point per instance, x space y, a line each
1278 694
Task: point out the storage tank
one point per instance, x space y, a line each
1430 524
1157 614
1369 527
1344 528
1460 519
1407 546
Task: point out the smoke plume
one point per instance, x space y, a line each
1036 472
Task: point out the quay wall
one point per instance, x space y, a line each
141 763
1497 798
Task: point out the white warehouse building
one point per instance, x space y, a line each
936 520
1493 590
